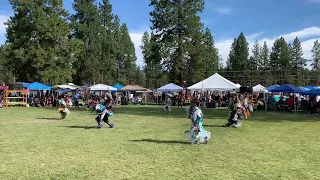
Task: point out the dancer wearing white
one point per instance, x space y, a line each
167 107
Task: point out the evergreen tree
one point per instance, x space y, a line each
154 74
298 62
119 60
107 66
316 55
175 22
86 24
139 77
5 73
128 55
266 74
256 62
38 45
280 61
211 55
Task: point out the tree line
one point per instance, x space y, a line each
47 44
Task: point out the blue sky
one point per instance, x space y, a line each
264 20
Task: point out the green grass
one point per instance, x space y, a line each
147 144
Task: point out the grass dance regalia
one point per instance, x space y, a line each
197 134
63 110
235 116
104 114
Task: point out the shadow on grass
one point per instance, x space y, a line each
161 141
81 127
50 118
213 126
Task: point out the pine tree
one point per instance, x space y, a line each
154 74
38 45
316 55
280 61
255 62
266 74
211 55
86 26
129 55
108 54
174 22
298 62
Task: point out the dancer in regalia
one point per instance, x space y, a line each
63 110
235 116
197 134
104 114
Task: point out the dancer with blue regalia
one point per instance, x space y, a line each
104 114
197 134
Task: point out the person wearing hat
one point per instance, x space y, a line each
235 116
197 134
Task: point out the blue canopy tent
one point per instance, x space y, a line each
25 85
169 87
38 86
312 92
118 86
271 87
63 90
288 88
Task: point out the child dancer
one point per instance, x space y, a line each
104 114
235 116
167 108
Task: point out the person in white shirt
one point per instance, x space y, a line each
167 107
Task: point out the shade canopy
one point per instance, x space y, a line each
67 86
215 82
38 86
269 88
287 88
118 86
312 92
259 89
25 85
102 87
133 88
170 87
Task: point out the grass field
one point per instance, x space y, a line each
147 144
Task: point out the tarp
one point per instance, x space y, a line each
169 87
215 82
118 86
25 85
38 86
310 87
269 88
133 88
287 88
102 87
67 86
312 92
259 89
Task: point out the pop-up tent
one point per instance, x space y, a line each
215 82
169 87
259 89
38 86
102 87
67 86
133 88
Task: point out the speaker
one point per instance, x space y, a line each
246 89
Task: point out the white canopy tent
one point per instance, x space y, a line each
259 89
67 86
102 87
215 82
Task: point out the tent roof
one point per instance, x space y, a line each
214 82
287 88
102 87
259 88
170 87
133 88
67 86
312 92
269 88
118 86
38 86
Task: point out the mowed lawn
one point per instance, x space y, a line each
148 144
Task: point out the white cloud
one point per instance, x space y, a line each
223 10
307 37
3 19
136 39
